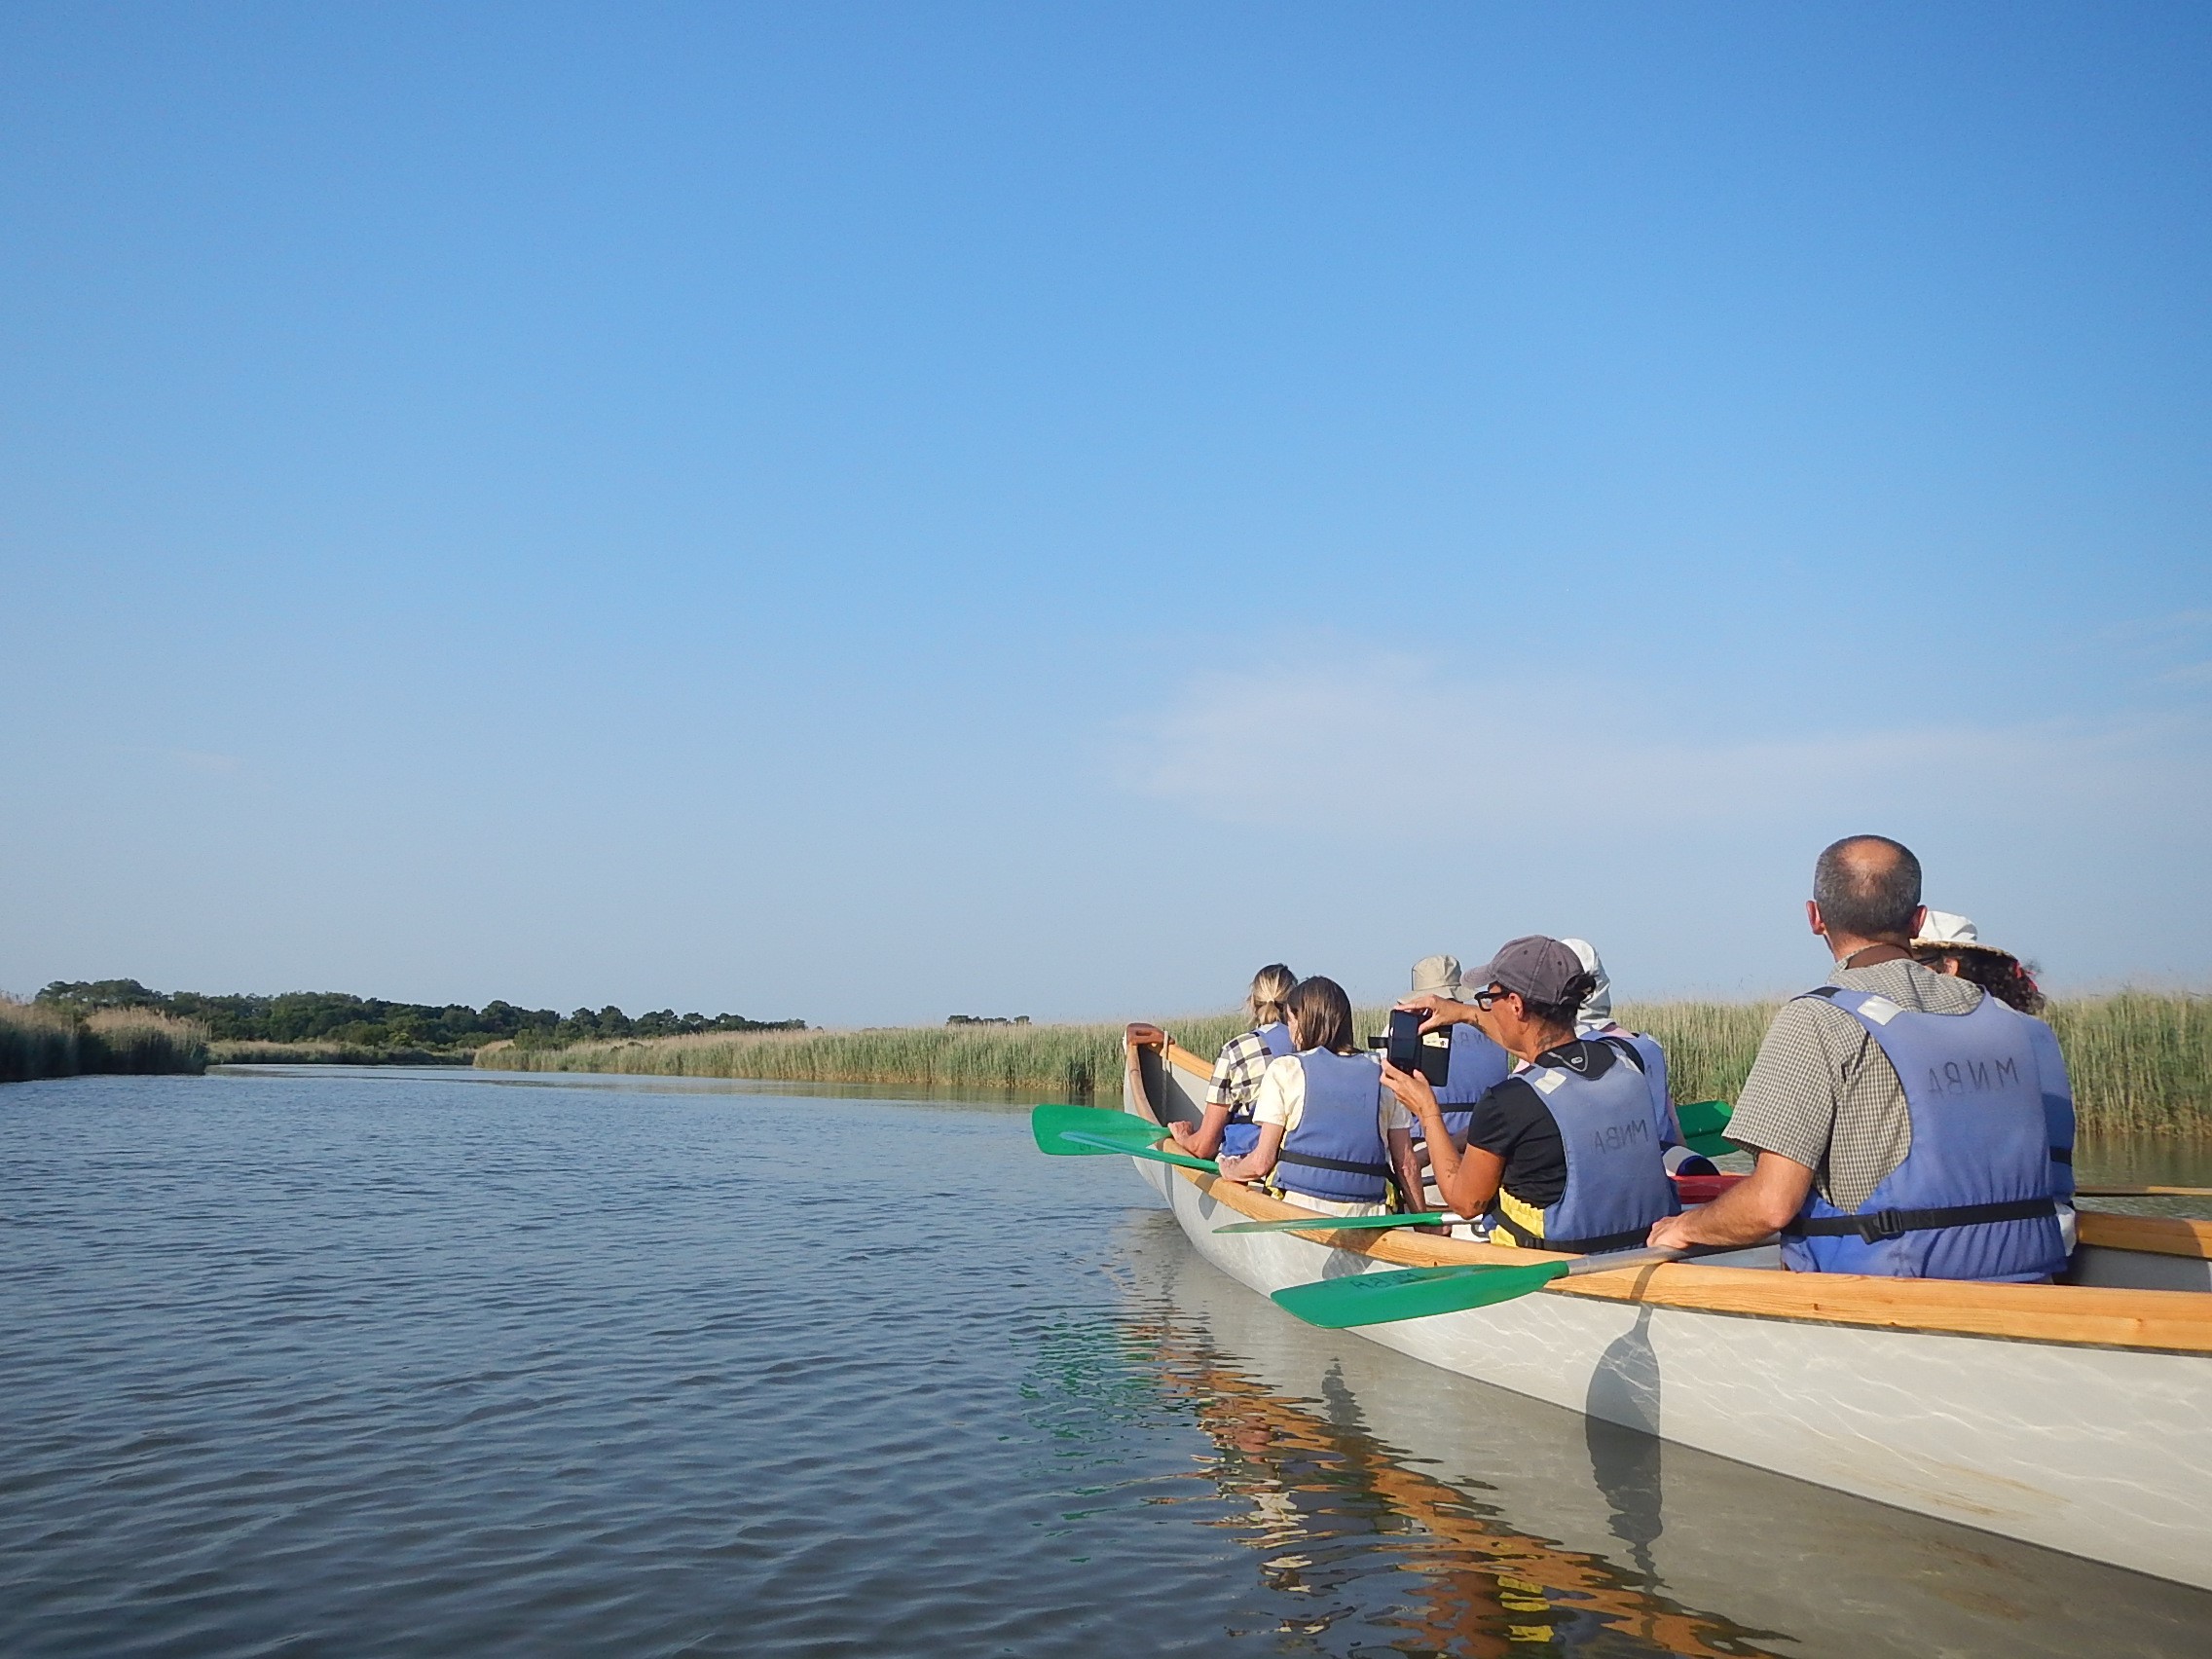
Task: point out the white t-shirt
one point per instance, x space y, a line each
1282 1099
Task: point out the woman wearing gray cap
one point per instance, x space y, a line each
1564 1153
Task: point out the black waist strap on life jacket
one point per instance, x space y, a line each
2062 1155
1875 1226
1590 1247
1381 1169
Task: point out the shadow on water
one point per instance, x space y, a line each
1621 1429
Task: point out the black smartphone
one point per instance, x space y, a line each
1403 1045
1436 1057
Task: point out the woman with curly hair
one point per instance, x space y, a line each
1952 944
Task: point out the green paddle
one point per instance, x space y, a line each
1048 1122
1085 1131
1701 1121
1415 1293
1103 1144
1316 1223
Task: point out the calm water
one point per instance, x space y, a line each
412 1364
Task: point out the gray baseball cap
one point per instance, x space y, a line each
1542 970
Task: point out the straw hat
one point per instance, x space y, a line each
1437 977
1943 931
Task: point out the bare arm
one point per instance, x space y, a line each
1260 1162
1204 1140
1751 1210
1468 1179
1407 1165
1438 1011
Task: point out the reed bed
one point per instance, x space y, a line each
2141 1062
42 1042
255 1052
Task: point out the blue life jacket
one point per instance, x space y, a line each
1616 1185
1240 1135
1337 1152
1654 1059
1478 1066
2057 1106
1973 1198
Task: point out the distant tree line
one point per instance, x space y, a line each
333 1017
985 1020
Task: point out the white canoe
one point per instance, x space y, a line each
2076 1417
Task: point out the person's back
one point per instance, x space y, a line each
1327 1138
1606 1182
1951 944
1225 1129
1971 1197
1898 1113
1594 1018
1335 1148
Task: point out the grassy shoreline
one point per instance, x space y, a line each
255 1053
2141 1062
38 1041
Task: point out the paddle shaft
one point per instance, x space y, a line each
1613 1259
1336 1223
2142 1192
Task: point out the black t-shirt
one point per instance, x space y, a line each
1513 1122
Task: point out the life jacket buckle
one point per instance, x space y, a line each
1877 1227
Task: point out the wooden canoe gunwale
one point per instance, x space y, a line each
2169 1321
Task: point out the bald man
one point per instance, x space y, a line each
1897 1113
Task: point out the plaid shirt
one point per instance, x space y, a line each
1236 1074
1822 1093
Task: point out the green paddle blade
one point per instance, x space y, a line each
1315 1223
1412 1293
1702 1121
1050 1125
1126 1150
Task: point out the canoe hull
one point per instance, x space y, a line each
2095 1451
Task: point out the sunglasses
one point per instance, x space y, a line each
1484 998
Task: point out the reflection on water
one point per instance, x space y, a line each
1366 1544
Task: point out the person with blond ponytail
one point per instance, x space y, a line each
1226 1129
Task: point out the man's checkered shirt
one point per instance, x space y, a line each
1822 1093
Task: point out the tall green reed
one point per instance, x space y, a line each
2141 1062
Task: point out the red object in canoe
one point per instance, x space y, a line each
1702 1189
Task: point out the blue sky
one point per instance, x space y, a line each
866 512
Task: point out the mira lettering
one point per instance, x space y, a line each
1972 1077
1614 1136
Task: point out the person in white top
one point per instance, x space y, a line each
1330 1138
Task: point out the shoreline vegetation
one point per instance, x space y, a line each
336 1029
41 1042
2141 1060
